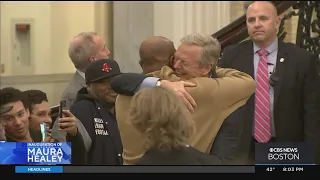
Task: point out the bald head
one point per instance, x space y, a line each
155 52
262 23
265 4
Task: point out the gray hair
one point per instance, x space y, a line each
211 47
81 48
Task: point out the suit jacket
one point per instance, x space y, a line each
296 108
76 83
216 99
184 156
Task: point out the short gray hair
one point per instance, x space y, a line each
81 48
211 47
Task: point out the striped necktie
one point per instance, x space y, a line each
262 124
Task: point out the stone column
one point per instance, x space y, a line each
132 23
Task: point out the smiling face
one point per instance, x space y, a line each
263 23
187 62
16 123
40 114
103 91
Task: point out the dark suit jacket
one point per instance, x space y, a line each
184 156
228 141
296 108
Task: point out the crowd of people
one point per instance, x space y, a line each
189 106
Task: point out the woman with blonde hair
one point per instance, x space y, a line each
166 125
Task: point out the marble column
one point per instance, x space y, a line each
132 23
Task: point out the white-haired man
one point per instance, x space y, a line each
85 48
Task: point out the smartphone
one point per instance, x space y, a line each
44 133
63 106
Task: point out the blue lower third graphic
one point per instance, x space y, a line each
39 169
40 153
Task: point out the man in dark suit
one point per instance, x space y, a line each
285 106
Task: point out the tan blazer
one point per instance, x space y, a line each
216 100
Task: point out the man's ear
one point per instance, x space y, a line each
140 62
92 59
28 113
207 70
171 61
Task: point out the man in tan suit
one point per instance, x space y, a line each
194 62
85 48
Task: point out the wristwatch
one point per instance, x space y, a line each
158 83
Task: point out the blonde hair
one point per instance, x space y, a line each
211 47
162 118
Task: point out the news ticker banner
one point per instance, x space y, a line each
162 169
35 153
284 153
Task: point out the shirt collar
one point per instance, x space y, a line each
81 74
272 47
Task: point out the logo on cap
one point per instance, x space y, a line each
106 68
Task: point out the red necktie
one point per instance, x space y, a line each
262 124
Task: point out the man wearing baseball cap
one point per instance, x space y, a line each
93 107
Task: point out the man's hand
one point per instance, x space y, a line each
68 123
49 139
179 89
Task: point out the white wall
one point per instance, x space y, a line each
55 24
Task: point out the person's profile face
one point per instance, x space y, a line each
103 51
15 122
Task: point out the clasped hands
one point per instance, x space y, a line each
178 88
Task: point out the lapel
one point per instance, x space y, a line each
280 69
80 80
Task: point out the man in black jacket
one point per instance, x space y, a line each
94 108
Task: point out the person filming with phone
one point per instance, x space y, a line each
28 110
94 108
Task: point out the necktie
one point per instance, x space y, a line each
262 127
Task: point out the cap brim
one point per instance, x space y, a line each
103 77
5 109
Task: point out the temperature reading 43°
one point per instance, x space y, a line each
270 169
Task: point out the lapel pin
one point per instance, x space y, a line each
281 59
